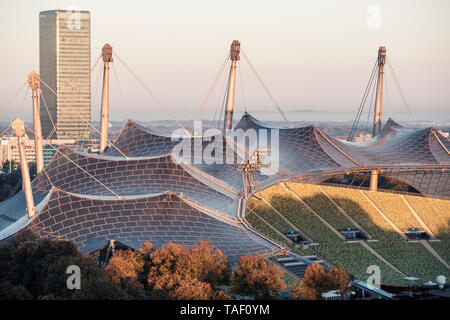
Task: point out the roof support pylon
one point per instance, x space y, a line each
379 101
19 130
378 110
234 56
373 180
104 117
34 83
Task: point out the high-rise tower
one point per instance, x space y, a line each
65 60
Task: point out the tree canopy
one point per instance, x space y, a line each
316 281
33 268
173 272
256 277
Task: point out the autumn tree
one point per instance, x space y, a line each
124 265
33 268
187 273
189 288
172 272
200 262
125 269
162 278
256 277
341 279
316 281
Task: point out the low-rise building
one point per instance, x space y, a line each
445 134
363 137
9 151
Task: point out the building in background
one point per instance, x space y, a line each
363 137
65 60
445 134
9 151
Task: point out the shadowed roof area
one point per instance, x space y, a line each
91 222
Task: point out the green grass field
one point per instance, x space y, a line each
436 215
394 208
411 258
354 257
314 198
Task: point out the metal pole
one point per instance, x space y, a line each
378 110
104 119
18 128
234 56
379 101
373 180
34 82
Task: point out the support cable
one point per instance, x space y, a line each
123 154
440 142
152 94
78 166
363 180
397 83
266 89
48 87
221 106
94 94
51 132
363 102
91 127
127 110
3 132
16 187
12 99
353 180
338 149
211 89
223 103
23 102
95 64
369 111
242 86
386 101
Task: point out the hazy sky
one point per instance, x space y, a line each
311 54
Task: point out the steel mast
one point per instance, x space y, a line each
379 101
378 110
19 130
234 56
104 119
34 83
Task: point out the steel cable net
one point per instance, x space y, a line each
68 189
165 198
306 151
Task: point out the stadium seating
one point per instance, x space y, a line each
354 257
436 215
411 258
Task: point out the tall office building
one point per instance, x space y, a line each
65 60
